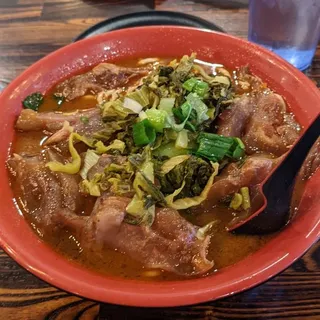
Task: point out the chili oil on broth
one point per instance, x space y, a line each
225 248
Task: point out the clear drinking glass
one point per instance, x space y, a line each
290 28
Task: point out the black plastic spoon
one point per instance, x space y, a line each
276 190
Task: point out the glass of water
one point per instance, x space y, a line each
290 28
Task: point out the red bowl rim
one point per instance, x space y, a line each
164 294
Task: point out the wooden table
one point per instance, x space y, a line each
30 29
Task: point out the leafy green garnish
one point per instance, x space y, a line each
112 127
141 209
90 159
115 178
183 69
187 202
33 101
165 71
160 129
114 110
171 163
115 145
140 95
91 186
73 166
201 89
194 171
157 119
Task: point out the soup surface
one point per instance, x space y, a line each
139 169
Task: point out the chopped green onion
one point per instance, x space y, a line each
215 147
199 87
33 101
157 118
167 105
185 109
177 127
190 126
84 119
142 115
246 203
197 104
177 112
189 84
143 133
239 149
182 139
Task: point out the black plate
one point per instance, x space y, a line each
147 18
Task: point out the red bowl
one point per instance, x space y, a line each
21 243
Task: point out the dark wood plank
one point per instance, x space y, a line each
29 30
23 296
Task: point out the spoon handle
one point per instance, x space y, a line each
277 189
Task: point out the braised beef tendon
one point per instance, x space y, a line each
232 122
42 192
170 244
252 172
262 122
55 123
138 170
102 77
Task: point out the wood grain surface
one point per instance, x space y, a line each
30 29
